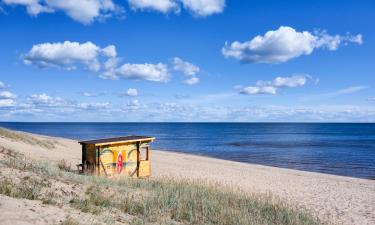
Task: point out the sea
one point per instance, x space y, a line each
346 149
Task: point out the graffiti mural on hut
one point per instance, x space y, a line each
120 160
117 156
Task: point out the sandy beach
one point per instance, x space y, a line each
340 200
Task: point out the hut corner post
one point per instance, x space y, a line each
138 157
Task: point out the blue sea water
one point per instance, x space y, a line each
346 149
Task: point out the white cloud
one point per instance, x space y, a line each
109 51
188 69
371 99
283 44
7 95
6 103
68 55
292 81
192 80
33 7
204 8
132 92
271 87
46 100
163 6
255 90
92 106
147 71
83 11
185 67
200 8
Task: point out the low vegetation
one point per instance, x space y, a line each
148 201
23 137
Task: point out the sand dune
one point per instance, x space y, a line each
341 200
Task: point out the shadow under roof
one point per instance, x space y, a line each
124 139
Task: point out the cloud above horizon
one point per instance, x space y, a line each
50 108
163 6
284 44
7 98
188 69
271 87
199 8
83 11
70 56
88 11
132 92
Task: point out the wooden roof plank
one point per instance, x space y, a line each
117 140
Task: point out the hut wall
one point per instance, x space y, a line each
89 158
111 157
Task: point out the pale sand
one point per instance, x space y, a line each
342 200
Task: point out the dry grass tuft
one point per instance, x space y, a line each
28 188
19 136
63 165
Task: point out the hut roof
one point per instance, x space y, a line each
118 140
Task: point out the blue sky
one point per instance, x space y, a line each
187 60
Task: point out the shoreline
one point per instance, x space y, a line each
186 153
339 199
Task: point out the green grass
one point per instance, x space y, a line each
165 201
23 137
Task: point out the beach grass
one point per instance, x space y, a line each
23 137
151 201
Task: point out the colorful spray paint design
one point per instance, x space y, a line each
119 165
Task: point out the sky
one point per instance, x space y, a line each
187 61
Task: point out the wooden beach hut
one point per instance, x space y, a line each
128 156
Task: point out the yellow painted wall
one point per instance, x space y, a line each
109 156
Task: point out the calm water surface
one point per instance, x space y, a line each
341 149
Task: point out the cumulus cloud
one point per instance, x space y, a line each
43 101
188 69
204 8
33 7
191 81
147 71
68 55
285 43
7 99
92 106
132 92
255 90
200 8
71 55
91 94
83 11
7 95
271 87
163 6
46 100
4 103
